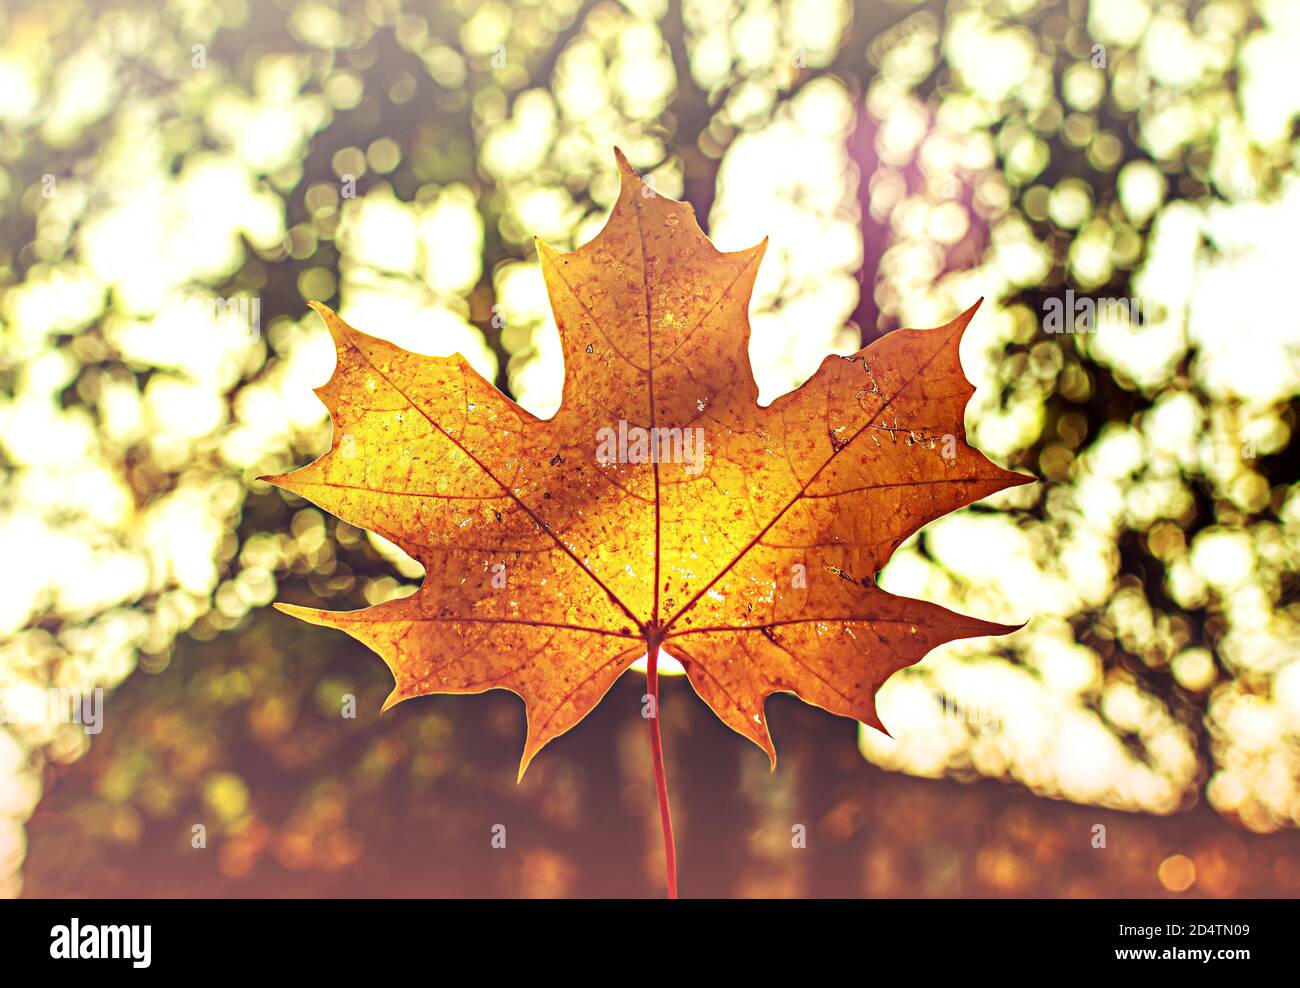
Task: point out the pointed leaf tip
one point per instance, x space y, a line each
963 320
312 615
626 170
337 327
526 758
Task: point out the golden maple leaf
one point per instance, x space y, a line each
662 506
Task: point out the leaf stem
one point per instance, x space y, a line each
657 756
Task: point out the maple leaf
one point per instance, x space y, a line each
661 506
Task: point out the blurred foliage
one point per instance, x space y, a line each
395 160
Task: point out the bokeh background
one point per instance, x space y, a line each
394 160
